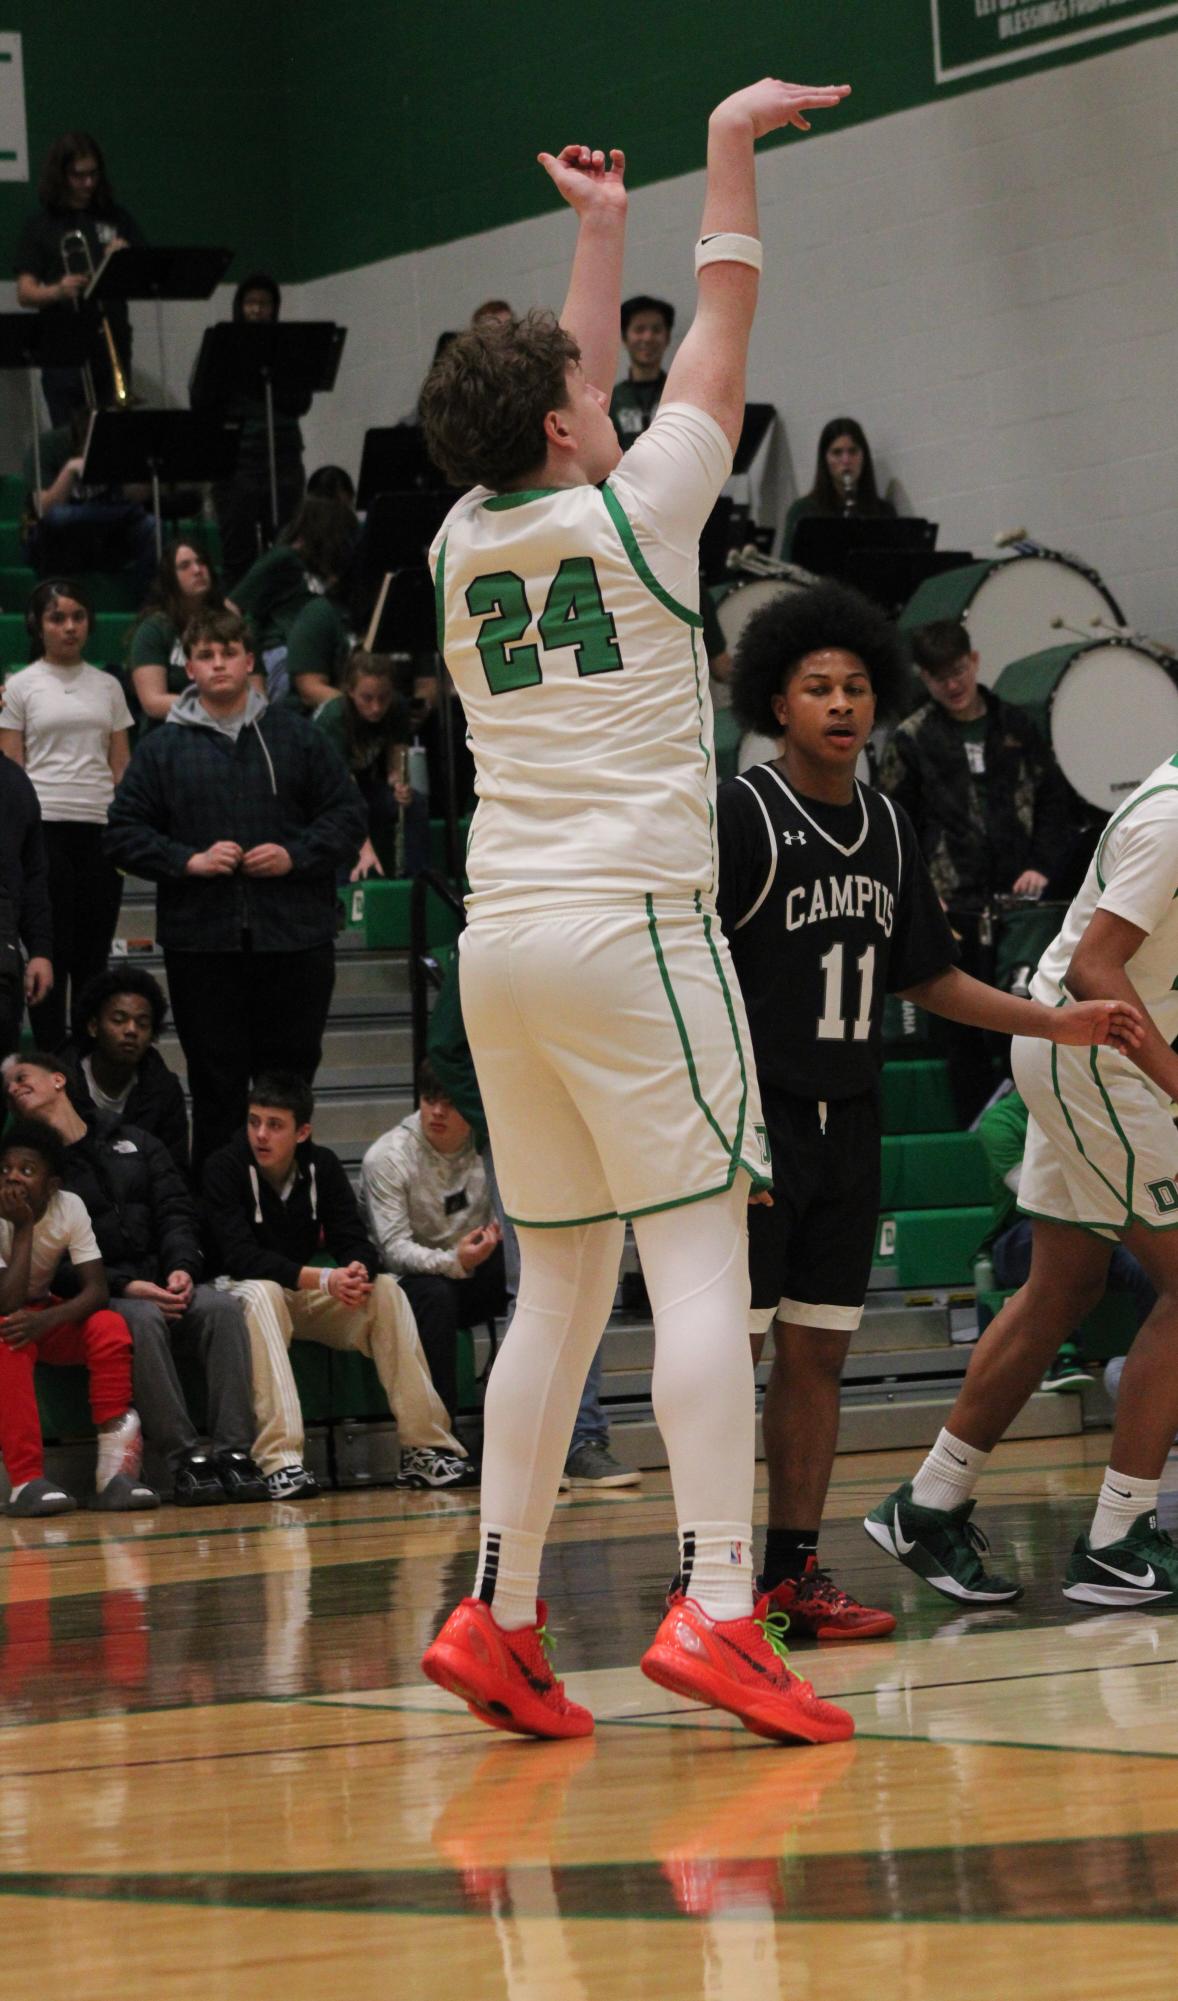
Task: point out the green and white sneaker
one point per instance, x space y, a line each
1140 1569
941 1545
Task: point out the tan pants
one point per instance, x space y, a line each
383 1329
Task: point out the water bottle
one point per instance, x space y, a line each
418 768
983 1272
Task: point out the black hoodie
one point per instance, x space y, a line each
253 1233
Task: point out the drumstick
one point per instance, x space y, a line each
378 613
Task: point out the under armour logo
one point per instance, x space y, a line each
789 839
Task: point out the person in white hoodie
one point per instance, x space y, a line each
427 1202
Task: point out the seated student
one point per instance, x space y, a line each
145 1223
40 1223
309 561
424 1191
184 583
76 525
273 1202
332 483
317 647
243 502
118 1019
1002 1130
368 722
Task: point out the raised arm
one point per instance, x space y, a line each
592 309
709 369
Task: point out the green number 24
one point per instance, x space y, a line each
573 616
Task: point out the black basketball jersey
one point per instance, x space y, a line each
827 909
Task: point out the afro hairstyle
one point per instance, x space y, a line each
35 1136
814 619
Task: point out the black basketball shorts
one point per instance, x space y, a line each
810 1254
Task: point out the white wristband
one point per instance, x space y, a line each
726 247
325 1272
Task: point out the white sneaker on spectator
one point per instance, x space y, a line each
292 1483
421 1467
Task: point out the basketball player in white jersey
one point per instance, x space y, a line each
598 993
1101 1166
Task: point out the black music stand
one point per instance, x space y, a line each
165 447
883 556
758 418
395 460
259 359
187 272
33 341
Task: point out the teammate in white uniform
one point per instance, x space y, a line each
603 1014
1101 1166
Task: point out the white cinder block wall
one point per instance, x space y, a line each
990 283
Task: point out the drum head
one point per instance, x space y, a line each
741 600
1113 719
1027 603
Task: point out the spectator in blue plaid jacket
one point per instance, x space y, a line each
242 815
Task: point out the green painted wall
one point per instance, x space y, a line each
419 124
187 104
317 135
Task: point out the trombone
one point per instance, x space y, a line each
75 246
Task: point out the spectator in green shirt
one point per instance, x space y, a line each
311 561
185 583
368 723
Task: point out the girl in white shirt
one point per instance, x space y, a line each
67 723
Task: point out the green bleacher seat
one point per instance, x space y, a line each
437 840
1108 1330
927 1247
106 647
16 583
933 1171
10 540
915 1096
12 496
379 912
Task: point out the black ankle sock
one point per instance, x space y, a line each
786 1554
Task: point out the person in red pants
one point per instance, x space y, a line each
40 1223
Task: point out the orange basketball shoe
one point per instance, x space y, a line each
818 1610
505 1679
741 1665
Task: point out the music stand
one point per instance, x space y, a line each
33 341
187 272
395 460
167 447
259 358
758 418
881 555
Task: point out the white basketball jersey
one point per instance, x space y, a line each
1134 875
584 680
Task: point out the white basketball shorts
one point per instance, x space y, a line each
613 1058
1102 1151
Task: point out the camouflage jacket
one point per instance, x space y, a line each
978 833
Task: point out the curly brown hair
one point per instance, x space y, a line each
486 397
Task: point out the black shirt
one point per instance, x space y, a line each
39 250
24 873
827 909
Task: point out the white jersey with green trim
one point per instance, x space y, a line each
569 619
1134 875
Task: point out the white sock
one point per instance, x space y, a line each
508 1576
716 1566
18 1490
120 1450
1120 1501
949 1474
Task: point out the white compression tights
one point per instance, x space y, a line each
695 1263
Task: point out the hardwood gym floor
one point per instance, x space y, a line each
220 1775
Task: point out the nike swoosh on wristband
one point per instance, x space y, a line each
1126 1576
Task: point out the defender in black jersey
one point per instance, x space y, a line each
828 907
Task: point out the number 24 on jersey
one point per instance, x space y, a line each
574 615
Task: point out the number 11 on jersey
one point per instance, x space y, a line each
832 1023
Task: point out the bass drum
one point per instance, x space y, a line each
1014 605
1108 709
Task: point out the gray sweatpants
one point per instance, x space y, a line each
214 1330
